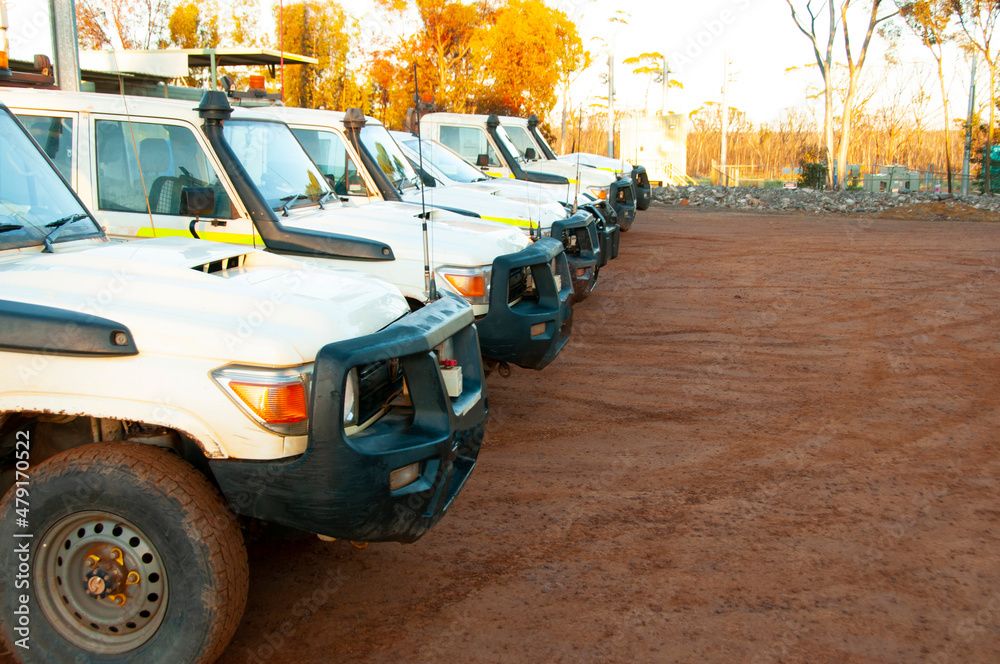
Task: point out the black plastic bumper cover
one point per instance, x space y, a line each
608 232
505 333
340 485
622 199
584 263
643 188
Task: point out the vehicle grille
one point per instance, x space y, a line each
582 241
520 285
380 383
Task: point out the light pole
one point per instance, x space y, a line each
725 124
967 156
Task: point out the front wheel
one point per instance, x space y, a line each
134 557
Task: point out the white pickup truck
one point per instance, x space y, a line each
443 169
483 142
140 162
363 163
533 147
153 391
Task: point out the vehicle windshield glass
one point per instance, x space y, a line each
520 137
390 159
546 147
505 139
447 162
276 162
34 200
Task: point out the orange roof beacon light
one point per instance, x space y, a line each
4 46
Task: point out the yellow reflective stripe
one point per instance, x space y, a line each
231 238
520 223
609 170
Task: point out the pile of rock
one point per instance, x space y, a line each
808 200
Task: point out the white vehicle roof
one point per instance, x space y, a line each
294 115
466 118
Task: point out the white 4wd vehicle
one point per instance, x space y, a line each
363 163
483 141
151 391
442 169
533 147
143 163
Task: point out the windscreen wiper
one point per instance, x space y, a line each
287 201
323 199
57 227
10 227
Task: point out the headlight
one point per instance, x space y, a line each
472 283
352 399
277 399
600 193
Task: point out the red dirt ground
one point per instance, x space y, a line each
774 439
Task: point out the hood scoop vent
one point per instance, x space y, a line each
223 266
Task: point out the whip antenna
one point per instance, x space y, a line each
429 283
576 196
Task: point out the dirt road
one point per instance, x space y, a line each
773 439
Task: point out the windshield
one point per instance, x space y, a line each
380 146
505 139
34 201
276 162
445 161
520 137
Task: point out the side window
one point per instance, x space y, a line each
328 152
140 161
55 135
471 143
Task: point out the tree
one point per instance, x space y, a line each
523 57
824 60
978 19
123 24
653 67
441 48
194 26
929 20
854 68
319 29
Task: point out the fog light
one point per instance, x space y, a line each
538 329
404 476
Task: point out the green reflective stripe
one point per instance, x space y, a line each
520 223
231 238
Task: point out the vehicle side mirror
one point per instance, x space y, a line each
197 201
482 161
530 154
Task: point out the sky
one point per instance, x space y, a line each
757 36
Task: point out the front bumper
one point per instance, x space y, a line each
583 254
622 198
608 231
340 485
643 189
506 332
